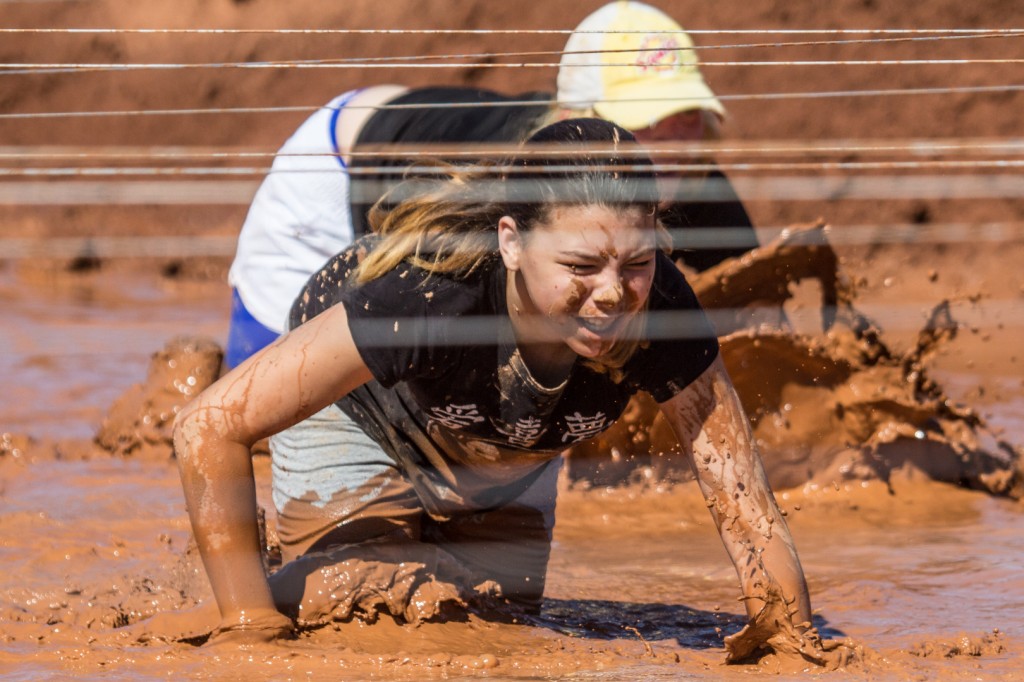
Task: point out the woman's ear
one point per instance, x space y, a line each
510 243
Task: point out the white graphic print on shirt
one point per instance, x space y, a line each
582 428
524 432
456 416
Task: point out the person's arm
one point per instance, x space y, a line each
711 426
294 377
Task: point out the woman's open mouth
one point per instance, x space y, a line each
598 325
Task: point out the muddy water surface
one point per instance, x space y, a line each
70 345
923 578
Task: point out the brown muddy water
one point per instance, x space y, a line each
922 579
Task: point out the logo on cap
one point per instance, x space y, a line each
659 53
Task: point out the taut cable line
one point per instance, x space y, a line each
191 171
692 48
506 31
17 248
909 146
896 92
24 68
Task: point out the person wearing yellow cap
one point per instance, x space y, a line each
627 62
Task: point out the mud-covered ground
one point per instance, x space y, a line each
892 454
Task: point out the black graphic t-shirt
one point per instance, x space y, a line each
452 400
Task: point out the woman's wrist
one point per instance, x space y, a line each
266 621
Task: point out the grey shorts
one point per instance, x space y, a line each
334 485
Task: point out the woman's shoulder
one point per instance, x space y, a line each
410 323
412 289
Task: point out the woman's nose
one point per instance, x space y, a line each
609 293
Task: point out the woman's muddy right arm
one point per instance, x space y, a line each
289 380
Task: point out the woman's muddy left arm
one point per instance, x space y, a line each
712 428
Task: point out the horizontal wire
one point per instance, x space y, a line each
128 193
773 188
178 246
830 94
14 248
508 31
913 146
86 339
167 112
433 172
691 48
15 68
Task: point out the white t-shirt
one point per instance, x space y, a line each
298 219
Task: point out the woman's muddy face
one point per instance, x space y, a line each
582 274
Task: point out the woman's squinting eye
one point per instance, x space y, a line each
580 268
640 264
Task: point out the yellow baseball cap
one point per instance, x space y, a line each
633 65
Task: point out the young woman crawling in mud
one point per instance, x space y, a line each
449 359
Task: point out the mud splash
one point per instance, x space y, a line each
140 422
832 406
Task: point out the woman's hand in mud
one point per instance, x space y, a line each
255 627
757 639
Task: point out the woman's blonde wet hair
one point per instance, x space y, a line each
449 226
